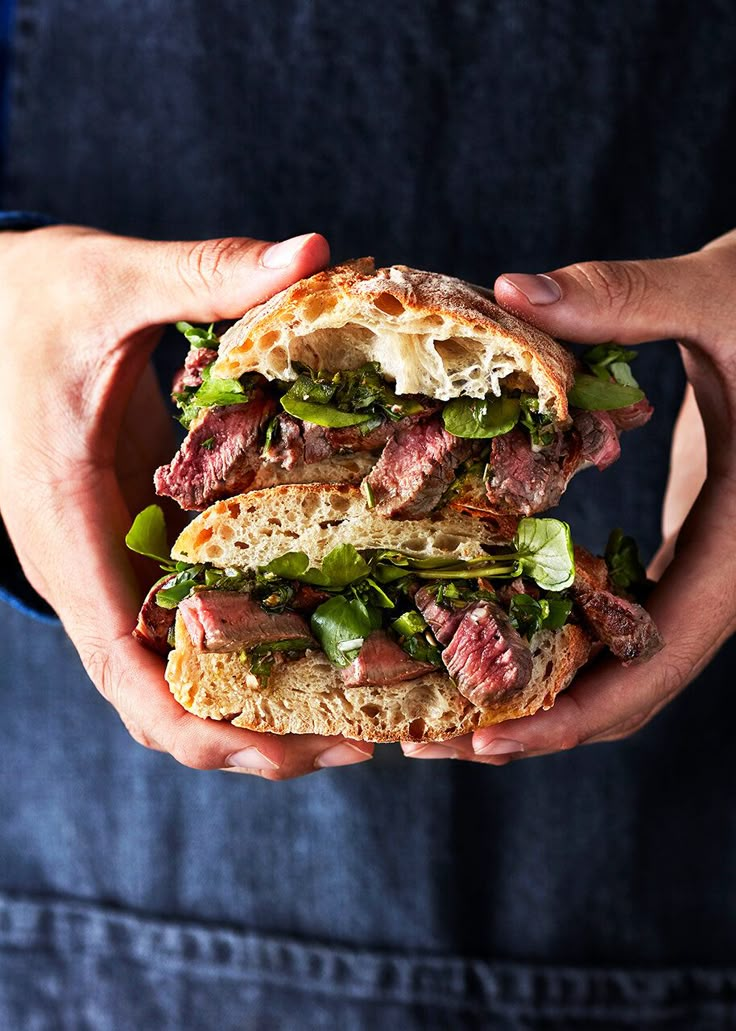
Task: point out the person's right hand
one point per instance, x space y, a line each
83 426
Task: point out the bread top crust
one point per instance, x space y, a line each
250 530
432 334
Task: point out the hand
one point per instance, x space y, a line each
83 426
691 298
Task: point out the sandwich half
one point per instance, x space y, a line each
412 383
296 609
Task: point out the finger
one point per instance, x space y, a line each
626 302
608 701
204 280
88 580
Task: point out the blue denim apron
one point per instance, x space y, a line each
594 889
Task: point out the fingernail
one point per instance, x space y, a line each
498 746
251 759
343 754
537 289
433 751
281 255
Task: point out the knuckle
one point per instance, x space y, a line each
204 263
621 284
193 753
139 735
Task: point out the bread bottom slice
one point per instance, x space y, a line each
308 696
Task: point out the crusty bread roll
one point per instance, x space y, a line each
307 695
430 333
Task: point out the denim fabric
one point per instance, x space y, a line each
6 21
593 888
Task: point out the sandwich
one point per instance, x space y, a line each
415 385
298 609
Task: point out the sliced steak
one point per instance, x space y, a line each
296 441
195 363
155 622
220 456
230 621
287 446
382 661
625 627
415 469
524 481
443 621
598 438
486 657
632 416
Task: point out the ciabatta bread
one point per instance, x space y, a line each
307 695
430 333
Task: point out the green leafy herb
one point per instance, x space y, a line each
321 414
261 657
529 615
343 565
212 392
545 554
179 588
538 424
624 563
409 623
208 444
198 336
606 360
351 397
340 622
598 395
290 566
610 384
480 417
422 649
147 535
270 430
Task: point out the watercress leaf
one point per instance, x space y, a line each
374 593
178 589
321 414
624 563
480 417
545 552
147 535
605 355
338 621
555 612
290 566
220 392
621 372
597 395
525 613
343 565
387 572
198 336
537 424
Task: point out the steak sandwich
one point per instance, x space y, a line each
297 609
414 384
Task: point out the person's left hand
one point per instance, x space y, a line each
691 298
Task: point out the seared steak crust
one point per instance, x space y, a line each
220 456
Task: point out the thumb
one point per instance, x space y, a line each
626 302
209 280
